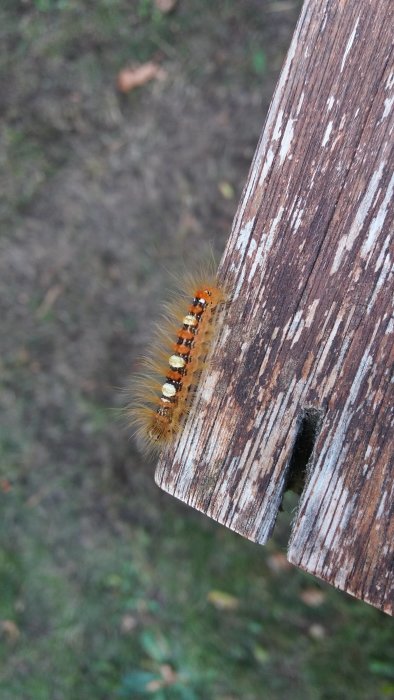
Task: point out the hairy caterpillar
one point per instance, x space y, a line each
161 396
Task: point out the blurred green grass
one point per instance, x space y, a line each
181 609
110 589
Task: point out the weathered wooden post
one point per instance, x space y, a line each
306 343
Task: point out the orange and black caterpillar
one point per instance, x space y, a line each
161 396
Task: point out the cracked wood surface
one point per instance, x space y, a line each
310 321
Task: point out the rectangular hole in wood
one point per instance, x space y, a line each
304 444
299 467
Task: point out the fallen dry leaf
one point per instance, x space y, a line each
260 654
5 486
130 78
154 686
10 629
49 299
166 6
128 623
312 597
168 673
317 631
278 563
168 677
226 190
222 600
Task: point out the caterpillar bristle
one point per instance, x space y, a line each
162 392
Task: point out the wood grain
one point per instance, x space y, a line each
310 323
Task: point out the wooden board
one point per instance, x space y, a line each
310 323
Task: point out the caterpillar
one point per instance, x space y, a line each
161 396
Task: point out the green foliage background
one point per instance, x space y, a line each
108 588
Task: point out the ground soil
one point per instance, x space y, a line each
105 193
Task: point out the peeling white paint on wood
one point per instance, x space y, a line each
209 386
349 44
348 239
330 103
306 322
388 106
385 271
243 238
295 322
327 134
273 228
277 132
300 103
390 81
377 222
382 506
269 159
311 273
297 220
286 140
